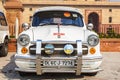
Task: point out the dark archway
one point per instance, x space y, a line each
94 19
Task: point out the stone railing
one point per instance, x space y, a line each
105 27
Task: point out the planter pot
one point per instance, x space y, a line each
12 45
110 45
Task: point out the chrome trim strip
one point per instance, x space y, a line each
54 71
58 42
33 57
59 58
90 71
43 58
93 58
79 48
38 47
59 49
29 57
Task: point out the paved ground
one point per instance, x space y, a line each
110 66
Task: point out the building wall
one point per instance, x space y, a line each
27 12
105 13
62 0
1 6
114 14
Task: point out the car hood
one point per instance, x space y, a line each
53 33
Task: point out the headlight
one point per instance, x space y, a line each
23 39
93 40
68 49
49 48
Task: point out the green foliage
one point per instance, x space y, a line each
12 36
113 35
110 34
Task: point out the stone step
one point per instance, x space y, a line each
12 45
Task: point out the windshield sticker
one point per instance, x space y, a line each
57 20
74 15
66 14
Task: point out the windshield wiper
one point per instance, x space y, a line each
69 24
42 24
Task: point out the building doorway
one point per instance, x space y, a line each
94 19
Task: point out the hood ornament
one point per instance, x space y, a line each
59 34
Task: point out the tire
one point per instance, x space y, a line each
4 48
22 73
91 74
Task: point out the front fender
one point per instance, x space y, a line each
3 34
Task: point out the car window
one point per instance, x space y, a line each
53 17
2 20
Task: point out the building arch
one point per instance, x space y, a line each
94 19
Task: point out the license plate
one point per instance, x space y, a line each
58 63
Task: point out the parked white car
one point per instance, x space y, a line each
4 35
58 41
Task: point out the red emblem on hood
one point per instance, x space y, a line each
59 34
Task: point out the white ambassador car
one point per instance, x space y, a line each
58 41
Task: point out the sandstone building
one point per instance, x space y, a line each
102 13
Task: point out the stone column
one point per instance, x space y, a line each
14 9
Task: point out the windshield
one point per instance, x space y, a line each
57 17
2 20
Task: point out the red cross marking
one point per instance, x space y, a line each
58 34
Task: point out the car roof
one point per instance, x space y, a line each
60 8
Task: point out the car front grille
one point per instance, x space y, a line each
58 51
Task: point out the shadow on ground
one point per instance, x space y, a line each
11 74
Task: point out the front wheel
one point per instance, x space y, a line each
4 48
22 73
91 74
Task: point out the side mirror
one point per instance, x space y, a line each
25 26
90 26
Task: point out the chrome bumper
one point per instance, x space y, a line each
84 69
